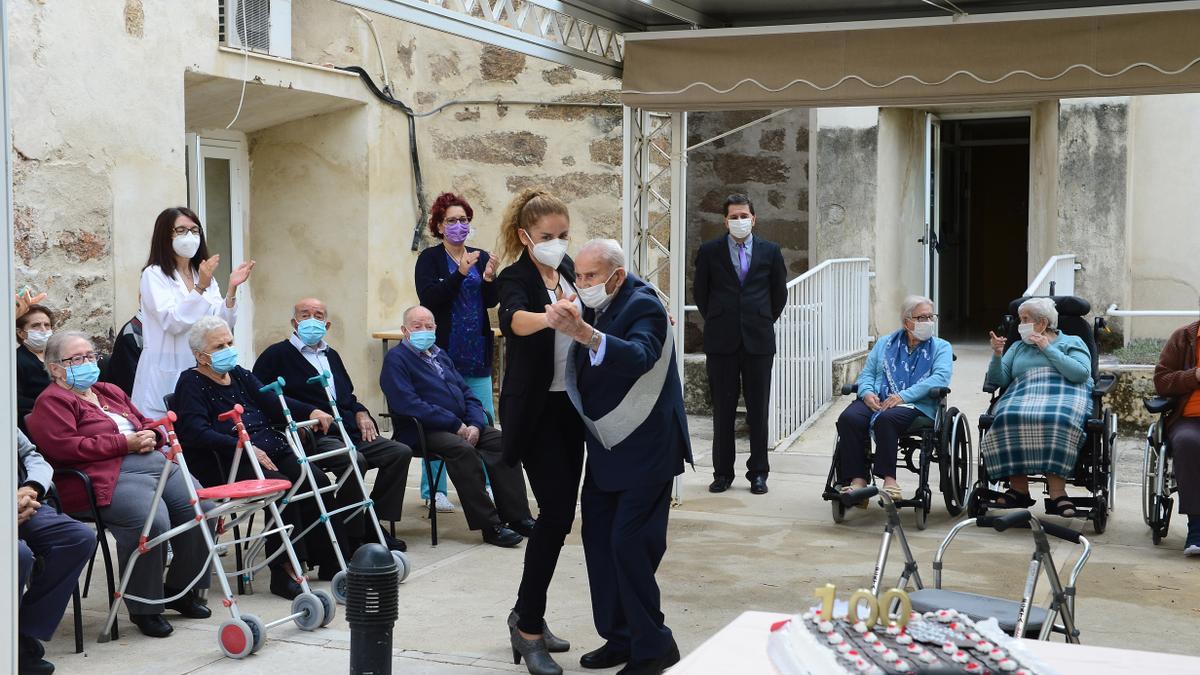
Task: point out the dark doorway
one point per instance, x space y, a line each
984 229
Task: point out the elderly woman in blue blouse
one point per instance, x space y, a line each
893 391
1038 425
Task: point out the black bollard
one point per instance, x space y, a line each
371 609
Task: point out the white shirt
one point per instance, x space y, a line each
315 355
168 311
562 341
123 425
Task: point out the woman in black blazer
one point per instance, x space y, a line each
34 328
541 427
457 283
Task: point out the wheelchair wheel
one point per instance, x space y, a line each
1110 458
1100 515
1150 487
955 463
922 510
839 510
1161 518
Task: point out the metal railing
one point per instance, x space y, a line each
1059 271
826 317
1128 315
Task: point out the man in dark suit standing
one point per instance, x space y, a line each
740 289
623 379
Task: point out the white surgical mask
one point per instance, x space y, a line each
740 227
596 296
36 339
186 245
922 330
1026 330
549 253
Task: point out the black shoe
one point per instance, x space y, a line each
283 585
29 657
720 484
327 572
523 527
554 644
394 544
606 656
652 666
499 535
758 485
152 625
188 605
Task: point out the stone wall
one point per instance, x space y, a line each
769 163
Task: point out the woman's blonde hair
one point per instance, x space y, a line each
530 205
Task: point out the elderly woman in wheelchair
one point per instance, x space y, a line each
1038 425
895 388
1176 376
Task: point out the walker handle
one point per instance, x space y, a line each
235 414
861 494
1064 533
1003 522
322 379
167 421
275 387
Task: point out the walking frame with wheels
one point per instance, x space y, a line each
1019 618
352 472
243 633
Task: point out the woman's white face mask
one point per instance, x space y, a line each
1027 330
922 330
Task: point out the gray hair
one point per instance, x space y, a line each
410 310
609 250
1041 308
911 303
53 352
198 334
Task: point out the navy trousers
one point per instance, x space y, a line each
624 539
854 440
65 545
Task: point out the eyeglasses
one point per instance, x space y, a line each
79 360
180 231
924 318
457 221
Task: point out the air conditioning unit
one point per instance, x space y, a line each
257 25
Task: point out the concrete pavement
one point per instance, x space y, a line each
727 553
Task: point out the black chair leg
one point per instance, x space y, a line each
237 560
393 524
87 579
433 481
78 619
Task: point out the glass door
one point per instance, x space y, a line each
218 190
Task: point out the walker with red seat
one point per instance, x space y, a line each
243 633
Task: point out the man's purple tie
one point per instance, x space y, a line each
743 264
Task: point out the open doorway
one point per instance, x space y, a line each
983 237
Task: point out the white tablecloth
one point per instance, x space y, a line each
741 647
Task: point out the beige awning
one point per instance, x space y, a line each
1068 57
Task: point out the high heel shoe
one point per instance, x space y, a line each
554 644
537 659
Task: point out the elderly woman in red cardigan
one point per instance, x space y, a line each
80 423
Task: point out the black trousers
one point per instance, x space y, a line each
554 464
854 440
390 458
466 472
749 375
1184 436
624 539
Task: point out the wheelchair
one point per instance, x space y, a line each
1158 471
945 441
1094 464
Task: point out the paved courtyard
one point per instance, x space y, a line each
727 553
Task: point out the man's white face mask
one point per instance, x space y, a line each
597 297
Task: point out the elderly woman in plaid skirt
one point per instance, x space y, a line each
1038 427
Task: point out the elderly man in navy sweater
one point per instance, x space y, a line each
419 380
306 354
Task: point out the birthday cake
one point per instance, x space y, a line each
934 642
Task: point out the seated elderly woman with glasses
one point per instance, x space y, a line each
893 391
80 423
1038 426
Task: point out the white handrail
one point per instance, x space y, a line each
1113 311
1060 270
826 317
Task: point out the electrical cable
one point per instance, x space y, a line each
914 78
245 66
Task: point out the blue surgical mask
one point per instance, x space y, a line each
224 360
82 376
311 331
422 339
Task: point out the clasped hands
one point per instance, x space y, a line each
470 434
563 316
876 405
27 504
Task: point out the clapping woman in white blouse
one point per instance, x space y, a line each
178 287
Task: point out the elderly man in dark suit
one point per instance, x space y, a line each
623 379
740 288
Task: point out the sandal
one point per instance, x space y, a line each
1013 499
851 488
1061 506
894 492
